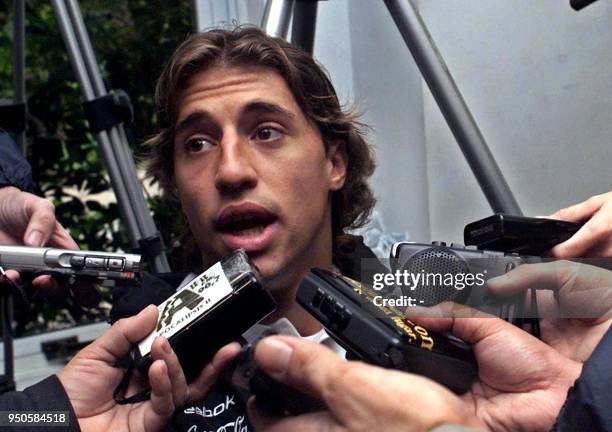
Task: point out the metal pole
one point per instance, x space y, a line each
196 15
102 137
6 304
452 105
125 160
19 97
114 150
304 24
276 17
19 63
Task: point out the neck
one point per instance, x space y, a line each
288 308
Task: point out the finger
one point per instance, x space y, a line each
42 221
60 238
436 318
86 293
50 290
200 387
118 340
262 420
304 365
581 211
161 350
470 330
595 230
543 276
162 404
12 275
445 309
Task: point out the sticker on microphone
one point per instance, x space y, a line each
187 304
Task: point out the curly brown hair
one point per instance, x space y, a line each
312 90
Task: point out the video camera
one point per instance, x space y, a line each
437 272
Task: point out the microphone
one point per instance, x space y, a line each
208 312
70 263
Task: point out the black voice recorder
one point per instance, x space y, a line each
210 311
381 335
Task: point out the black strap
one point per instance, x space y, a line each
142 396
109 111
16 289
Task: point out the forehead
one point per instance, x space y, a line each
222 88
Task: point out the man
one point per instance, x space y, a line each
255 148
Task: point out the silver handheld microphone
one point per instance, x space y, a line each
71 263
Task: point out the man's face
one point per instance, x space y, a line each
252 172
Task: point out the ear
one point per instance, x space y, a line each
337 164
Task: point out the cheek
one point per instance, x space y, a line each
307 192
193 196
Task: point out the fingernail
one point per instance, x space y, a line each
278 355
35 238
166 346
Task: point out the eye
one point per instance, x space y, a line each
267 134
197 144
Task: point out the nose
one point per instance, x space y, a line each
235 171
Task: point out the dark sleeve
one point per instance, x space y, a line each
14 168
47 395
589 403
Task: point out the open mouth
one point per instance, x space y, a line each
248 226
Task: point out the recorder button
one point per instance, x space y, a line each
438 243
395 357
93 262
318 297
327 307
457 245
77 261
115 263
343 318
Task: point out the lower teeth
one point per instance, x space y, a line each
250 232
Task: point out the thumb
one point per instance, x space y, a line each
118 340
41 215
304 365
471 329
546 276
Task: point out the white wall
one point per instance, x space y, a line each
537 77
387 87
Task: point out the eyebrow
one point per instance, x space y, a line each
267 107
193 118
254 107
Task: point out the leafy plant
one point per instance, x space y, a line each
132 40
